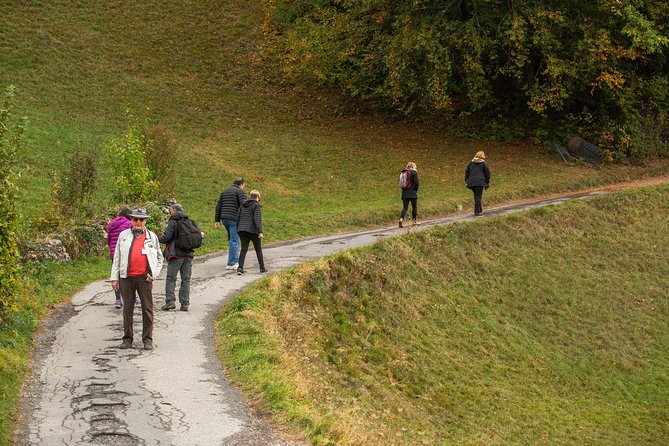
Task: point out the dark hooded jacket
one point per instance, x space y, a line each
248 219
477 173
169 238
229 202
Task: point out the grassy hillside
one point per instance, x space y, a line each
547 327
196 67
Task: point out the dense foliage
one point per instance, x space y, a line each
127 158
559 66
11 131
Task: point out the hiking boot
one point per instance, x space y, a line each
168 306
125 344
414 222
401 222
240 271
184 307
118 303
148 345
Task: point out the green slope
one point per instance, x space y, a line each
196 66
547 327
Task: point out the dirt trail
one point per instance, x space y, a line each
84 390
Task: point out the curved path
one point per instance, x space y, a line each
84 390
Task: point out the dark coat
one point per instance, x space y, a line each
169 238
411 191
248 219
477 174
229 203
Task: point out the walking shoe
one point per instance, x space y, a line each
148 345
118 303
125 344
263 270
168 306
240 271
184 307
414 222
235 266
401 222
137 302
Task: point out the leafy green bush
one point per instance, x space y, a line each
133 181
11 132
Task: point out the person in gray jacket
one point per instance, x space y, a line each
477 178
137 263
249 224
179 261
227 209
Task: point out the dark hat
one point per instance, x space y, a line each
139 213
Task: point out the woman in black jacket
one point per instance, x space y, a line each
249 228
477 178
409 193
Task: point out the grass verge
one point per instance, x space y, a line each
547 327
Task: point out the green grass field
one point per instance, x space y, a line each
546 327
195 67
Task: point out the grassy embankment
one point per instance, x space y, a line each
78 65
546 327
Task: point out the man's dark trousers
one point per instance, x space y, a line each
129 286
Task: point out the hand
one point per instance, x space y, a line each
217 225
115 285
149 279
260 235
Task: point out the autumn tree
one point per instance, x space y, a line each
595 68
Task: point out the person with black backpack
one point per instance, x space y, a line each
181 237
409 185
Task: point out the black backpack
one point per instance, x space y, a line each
189 236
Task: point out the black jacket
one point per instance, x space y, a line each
411 191
248 219
169 238
477 174
229 203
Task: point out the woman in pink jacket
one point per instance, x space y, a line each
114 228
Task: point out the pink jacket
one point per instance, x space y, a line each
115 227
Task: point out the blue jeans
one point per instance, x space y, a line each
233 241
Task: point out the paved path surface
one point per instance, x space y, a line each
84 390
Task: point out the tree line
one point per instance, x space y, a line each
552 68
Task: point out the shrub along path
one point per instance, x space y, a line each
84 390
